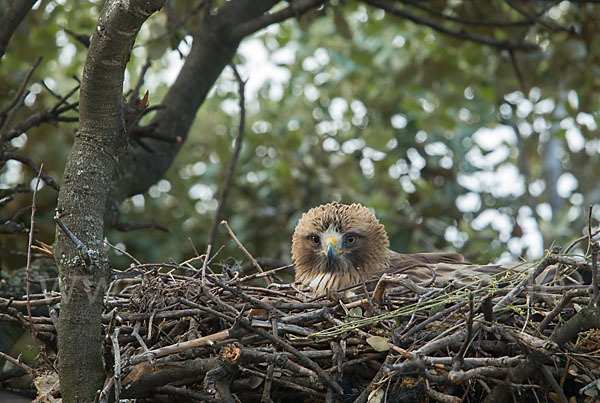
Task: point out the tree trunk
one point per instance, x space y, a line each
99 143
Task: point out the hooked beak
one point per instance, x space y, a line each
331 250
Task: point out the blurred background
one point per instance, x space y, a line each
455 145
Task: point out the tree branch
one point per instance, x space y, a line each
11 20
234 157
461 34
295 9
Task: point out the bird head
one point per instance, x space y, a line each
337 241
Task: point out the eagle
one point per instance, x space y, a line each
337 245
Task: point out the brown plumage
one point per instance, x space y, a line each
337 245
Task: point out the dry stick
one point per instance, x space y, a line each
281 343
205 263
29 243
555 386
254 301
595 250
234 158
467 341
80 245
186 394
264 274
117 368
443 314
589 229
239 244
508 298
179 347
103 395
123 251
442 397
17 362
567 297
362 398
288 384
266 394
578 240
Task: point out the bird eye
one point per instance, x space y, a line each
315 240
350 239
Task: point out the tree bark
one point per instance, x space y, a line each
99 143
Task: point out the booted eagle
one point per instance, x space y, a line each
337 245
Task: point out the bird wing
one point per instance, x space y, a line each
448 267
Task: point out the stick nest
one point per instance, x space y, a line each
171 333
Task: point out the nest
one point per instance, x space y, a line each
176 332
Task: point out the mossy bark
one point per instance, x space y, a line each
99 143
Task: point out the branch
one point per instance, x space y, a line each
29 243
9 113
234 158
295 9
507 45
126 227
17 362
11 20
49 115
29 162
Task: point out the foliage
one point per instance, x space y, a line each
377 110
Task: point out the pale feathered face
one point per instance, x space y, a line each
334 243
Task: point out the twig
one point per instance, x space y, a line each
179 347
518 72
239 244
104 394
289 348
595 250
467 341
117 353
589 228
123 251
126 227
466 21
17 362
205 263
437 316
136 90
362 398
567 297
81 38
578 240
29 243
186 394
8 113
547 261
461 34
29 162
80 245
555 386
234 158
264 274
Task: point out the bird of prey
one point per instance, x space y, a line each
338 245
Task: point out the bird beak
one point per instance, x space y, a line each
331 250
